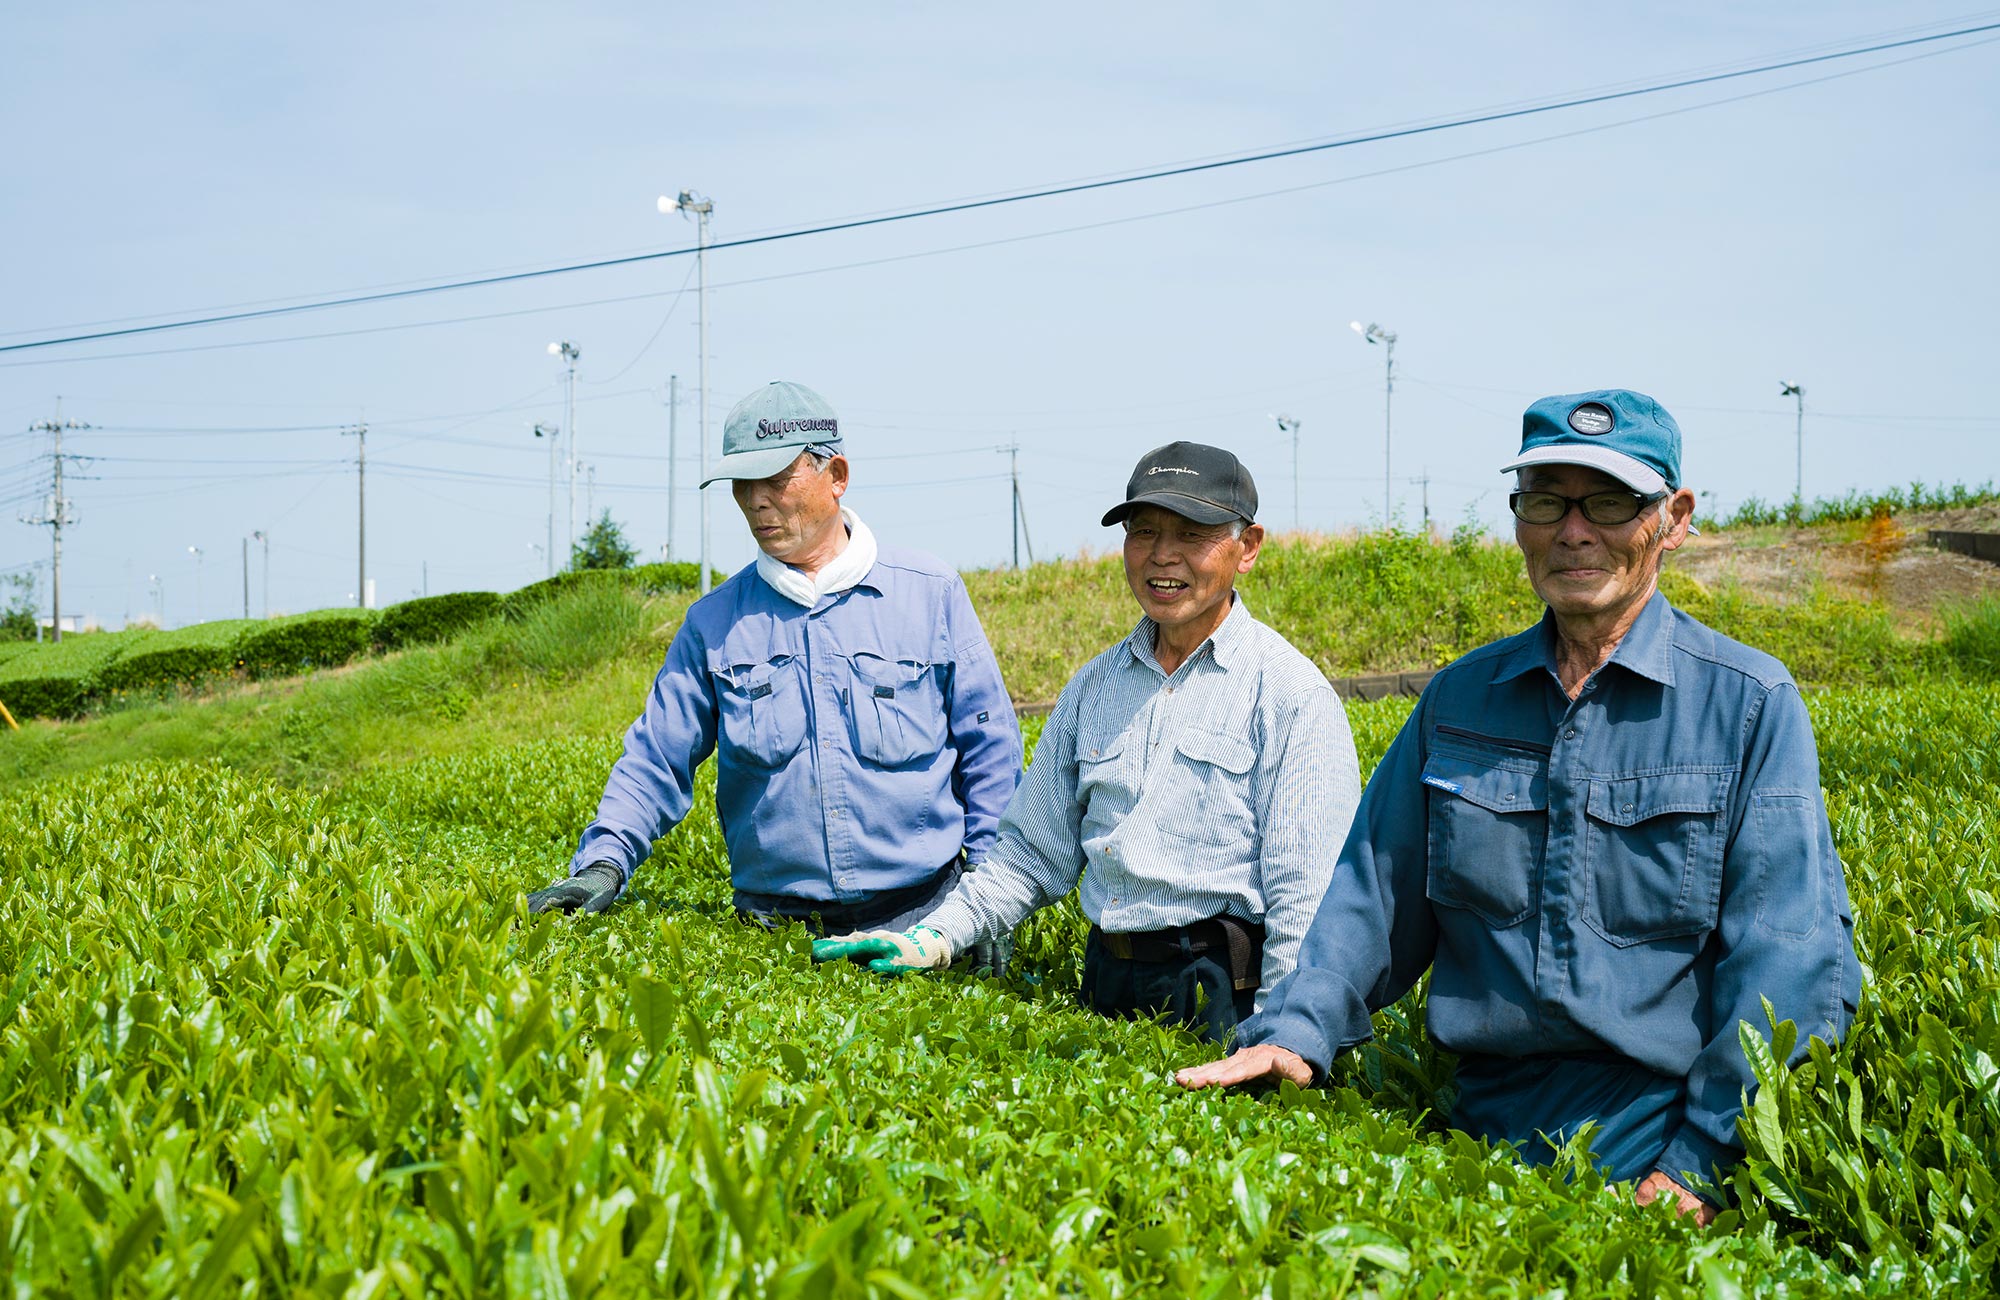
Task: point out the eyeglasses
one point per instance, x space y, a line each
1598 507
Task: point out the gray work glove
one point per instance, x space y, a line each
591 890
993 954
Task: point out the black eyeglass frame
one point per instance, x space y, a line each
1640 500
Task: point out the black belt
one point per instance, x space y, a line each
1241 940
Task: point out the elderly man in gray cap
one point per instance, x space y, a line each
1603 837
865 744
1198 777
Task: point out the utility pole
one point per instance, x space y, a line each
56 514
1376 334
589 495
673 455
687 201
1797 392
569 352
264 537
1286 424
1424 480
1013 450
555 440
246 577
360 432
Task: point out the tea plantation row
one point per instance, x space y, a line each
60 679
309 1044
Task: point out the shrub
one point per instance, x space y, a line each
433 618
186 654
649 579
322 639
1972 636
58 678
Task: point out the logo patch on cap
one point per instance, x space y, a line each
1592 418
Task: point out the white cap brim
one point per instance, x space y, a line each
760 463
1634 474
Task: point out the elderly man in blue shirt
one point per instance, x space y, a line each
1604 837
1198 777
865 744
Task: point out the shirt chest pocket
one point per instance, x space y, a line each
762 712
1489 831
1653 855
898 709
1205 795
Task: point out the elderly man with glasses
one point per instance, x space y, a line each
1605 839
865 744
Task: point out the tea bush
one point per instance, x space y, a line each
254 1038
324 638
183 655
433 618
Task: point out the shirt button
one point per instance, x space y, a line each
1570 734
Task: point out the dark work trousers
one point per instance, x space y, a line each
1125 988
897 909
1540 1100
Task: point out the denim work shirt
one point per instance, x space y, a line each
1225 786
860 744
1628 872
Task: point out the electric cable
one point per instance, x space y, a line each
1032 195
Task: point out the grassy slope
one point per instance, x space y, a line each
579 664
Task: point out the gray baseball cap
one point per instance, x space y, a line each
767 430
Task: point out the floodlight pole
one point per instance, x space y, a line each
687 201
265 538
196 551
555 441
1376 334
1286 424
1798 393
569 352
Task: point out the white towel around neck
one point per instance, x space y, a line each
842 572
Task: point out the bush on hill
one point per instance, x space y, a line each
324 638
647 579
433 618
56 679
186 654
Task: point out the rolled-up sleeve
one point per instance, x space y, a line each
983 727
1373 935
1303 811
1038 854
1786 933
651 786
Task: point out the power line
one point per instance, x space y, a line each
1033 195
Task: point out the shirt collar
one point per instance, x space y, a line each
1223 644
1647 647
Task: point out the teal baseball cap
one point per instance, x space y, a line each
767 430
1625 434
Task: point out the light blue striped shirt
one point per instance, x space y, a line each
1226 786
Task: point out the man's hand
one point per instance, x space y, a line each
921 948
1656 1185
1264 1061
591 890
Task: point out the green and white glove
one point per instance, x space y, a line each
886 952
593 889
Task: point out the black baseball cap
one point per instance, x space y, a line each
1203 483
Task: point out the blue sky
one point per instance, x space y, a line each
173 157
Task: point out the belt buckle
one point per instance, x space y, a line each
1118 945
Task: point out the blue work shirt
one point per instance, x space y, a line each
860 744
1615 878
